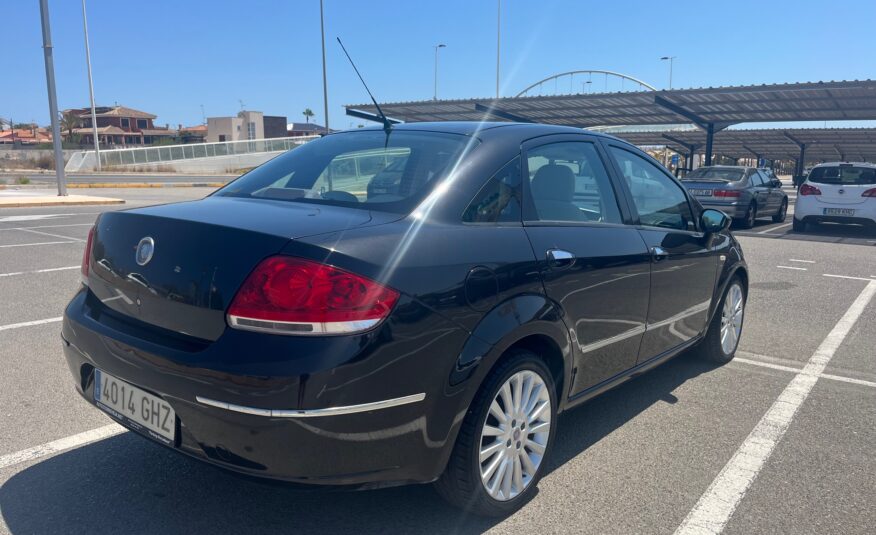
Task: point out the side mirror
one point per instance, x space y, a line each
776 183
714 221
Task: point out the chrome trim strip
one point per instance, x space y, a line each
312 413
291 328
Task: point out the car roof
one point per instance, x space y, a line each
837 164
485 127
724 167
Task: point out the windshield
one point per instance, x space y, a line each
843 175
364 169
715 173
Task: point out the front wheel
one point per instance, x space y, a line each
782 214
504 439
722 339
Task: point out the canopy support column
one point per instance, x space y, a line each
710 138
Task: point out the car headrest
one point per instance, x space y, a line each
554 182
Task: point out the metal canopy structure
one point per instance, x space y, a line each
711 109
810 144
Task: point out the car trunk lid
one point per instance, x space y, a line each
201 253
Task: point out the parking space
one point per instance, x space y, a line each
639 459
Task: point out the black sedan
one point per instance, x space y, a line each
743 193
301 325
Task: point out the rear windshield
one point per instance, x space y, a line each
369 169
843 175
714 173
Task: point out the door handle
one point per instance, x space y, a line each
559 258
659 253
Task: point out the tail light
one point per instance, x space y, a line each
287 295
809 189
869 193
86 256
727 193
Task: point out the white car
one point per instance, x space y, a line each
837 193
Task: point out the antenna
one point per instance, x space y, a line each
242 105
387 124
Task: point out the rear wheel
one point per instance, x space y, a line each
798 226
725 329
750 217
782 213
506 435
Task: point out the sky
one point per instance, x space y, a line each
170 57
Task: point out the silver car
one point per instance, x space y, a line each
743 193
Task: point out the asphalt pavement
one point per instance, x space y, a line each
644 458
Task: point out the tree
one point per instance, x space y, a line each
69 121
308 113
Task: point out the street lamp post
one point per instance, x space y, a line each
671 59
91 88
324 82
53 97
435 95
498 41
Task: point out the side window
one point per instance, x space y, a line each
757 179
499 199
658 199
568 182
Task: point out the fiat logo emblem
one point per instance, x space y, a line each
145 250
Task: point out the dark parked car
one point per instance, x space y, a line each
743 193
429 331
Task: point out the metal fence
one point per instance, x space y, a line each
167 153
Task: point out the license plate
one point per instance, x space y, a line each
701 192
839 211
140 410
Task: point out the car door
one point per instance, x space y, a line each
593 264
777 195
683 267
760 188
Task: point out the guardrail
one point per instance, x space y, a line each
85 160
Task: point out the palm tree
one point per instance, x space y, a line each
69 121
308 113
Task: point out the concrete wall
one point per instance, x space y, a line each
214 165
8 155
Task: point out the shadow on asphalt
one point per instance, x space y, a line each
125 484
822 232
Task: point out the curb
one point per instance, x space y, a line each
25 204
146 185
88 185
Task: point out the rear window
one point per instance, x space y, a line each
843 175
714 173
366 169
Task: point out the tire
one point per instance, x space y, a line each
797 225
713 347
782 214
461 484
750 217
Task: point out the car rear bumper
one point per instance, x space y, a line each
810 209
263 426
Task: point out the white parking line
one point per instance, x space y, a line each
39 217
57 446
847 277
832 377
767 231
14 273
29 323
37 243
715 507
49 226
801 261
51 235
792 267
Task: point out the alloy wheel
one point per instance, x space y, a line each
514 435
731 318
